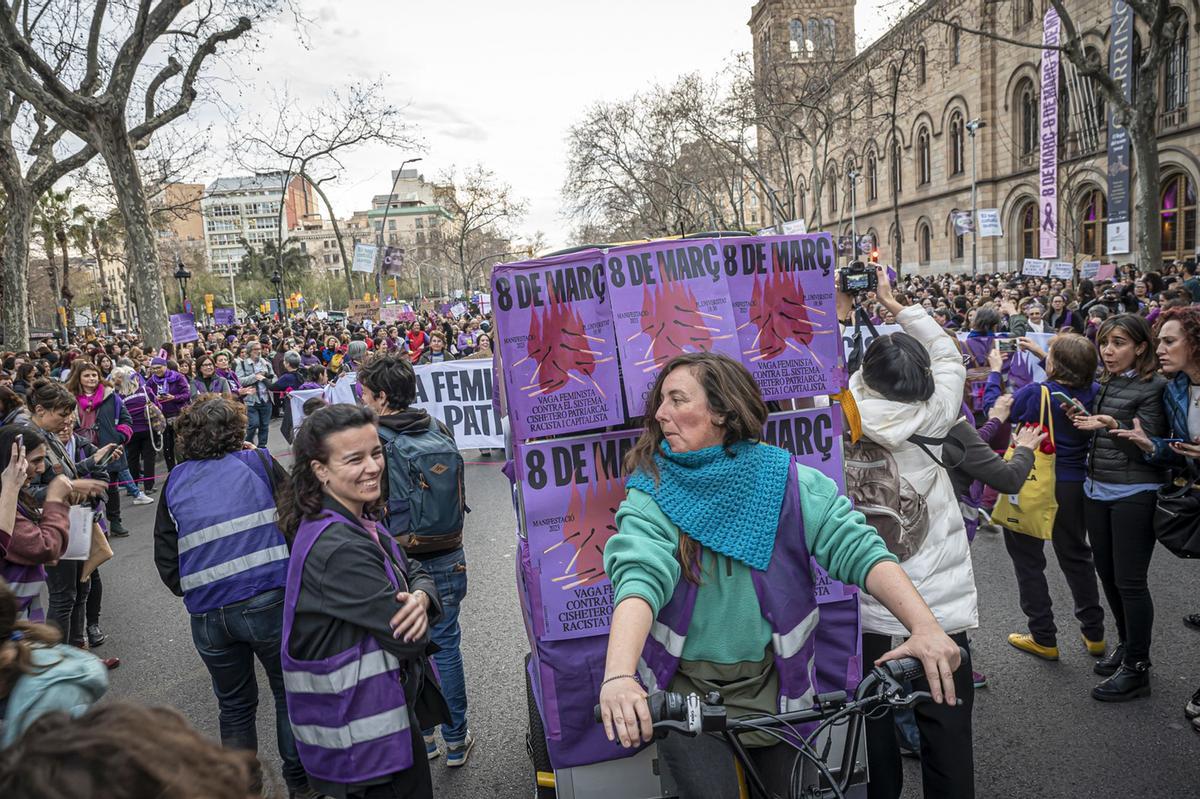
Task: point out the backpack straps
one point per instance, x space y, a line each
925 442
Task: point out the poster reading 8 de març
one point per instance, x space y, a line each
782 288
570 490
557 345
667 298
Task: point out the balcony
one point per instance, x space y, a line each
1176 117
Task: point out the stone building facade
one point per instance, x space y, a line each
944 78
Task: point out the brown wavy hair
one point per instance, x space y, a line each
1075 360
74 381
733 397
1138 331
1188 318
120 750
211 427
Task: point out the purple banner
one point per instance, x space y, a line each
557 346
223 316
570 491
1049 139
783 294
667 298
1120 69
183 328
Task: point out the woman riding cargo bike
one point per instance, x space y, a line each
713 589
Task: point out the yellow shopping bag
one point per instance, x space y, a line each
1032 510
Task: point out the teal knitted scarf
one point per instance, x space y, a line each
729 503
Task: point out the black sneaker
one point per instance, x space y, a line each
1192 708
1192 620
1107 666
117 530
95 635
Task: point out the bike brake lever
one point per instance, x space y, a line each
913 699
683 728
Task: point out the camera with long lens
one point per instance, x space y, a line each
1110 299
857 278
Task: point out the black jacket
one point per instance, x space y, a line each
1112 460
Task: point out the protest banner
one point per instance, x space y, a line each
963 223
1121 69
795 227
667 298
393 261
223 316
782 290
389 315
1035 267
1023 368
557 345
1048 169
458 309
297 399
1062 269
570 489
1106 272
459 394
864 332
364 258
183 328
358 310
1088 270
989 223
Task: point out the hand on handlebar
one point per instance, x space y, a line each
625 713
938 654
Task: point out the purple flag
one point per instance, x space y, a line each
183 328
667 298
556 343
1049 141
783 294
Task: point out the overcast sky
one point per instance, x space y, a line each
496 83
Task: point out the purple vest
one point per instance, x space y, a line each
348 712
229 546
786 596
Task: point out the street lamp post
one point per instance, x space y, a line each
852 176
382 226
972 126
277 281
182 276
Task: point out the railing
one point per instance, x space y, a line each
1173 118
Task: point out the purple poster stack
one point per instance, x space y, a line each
782 289
557 347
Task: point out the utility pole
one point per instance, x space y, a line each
972 126
382 226
852 175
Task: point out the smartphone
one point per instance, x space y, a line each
112 453
1006 344
1067 399
1177 441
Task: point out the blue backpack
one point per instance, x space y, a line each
426 497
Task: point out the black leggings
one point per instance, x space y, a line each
141 459
1122 536
947 752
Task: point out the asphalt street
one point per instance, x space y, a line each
1037 730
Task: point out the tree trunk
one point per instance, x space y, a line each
14 270
55 294
337 234
67 296
112 141
1148 250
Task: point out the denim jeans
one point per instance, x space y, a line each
68 600
125 478
228 639
449 572
258 418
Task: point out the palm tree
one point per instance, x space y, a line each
93 237
50 217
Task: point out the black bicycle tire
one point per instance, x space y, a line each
535 740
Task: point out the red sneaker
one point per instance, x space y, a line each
111 663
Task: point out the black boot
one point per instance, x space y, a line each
1107 665
1131 681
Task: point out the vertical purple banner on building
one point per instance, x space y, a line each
556 343
1120 69
667 298
783 294
570 490
1049 139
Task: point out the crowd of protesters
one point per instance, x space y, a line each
83 424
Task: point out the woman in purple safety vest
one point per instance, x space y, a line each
356 620
711 574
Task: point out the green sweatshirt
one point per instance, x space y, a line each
727 625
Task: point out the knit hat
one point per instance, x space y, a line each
158 361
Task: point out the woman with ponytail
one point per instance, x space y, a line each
38 675
352 598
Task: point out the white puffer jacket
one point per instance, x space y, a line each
941 569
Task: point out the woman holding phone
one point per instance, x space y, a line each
103 419
1120 490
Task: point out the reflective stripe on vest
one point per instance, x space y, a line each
231 567
791 642
221 530
672 641
26 582
343 679
359 731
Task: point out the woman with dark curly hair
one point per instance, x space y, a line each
124 751
369 626
216 545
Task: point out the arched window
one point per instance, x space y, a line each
924 168
1027 119
921 66
872 177
924 242
814 36
957 161
800 204
897 169
796 38
1178 217
830 38
831 183
894 243
955 45
1093 218
1028 219
1175 75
